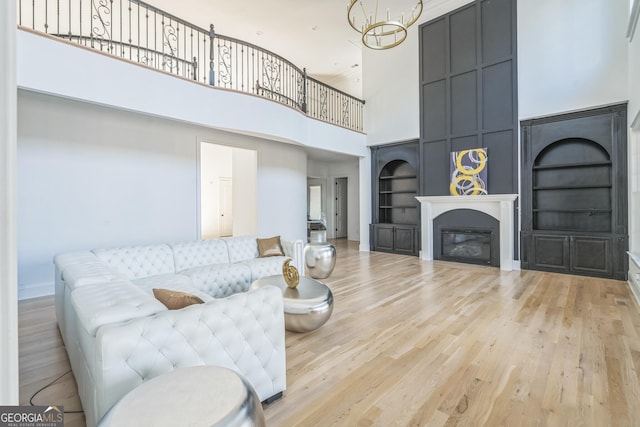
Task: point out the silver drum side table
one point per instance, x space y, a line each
197 396
306 307
319 259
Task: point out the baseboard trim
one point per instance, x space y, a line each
634 276
36 290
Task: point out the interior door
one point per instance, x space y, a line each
341 208
226 207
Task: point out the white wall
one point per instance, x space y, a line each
282 188
572 55
330 171
87 75
634 73
90 176
215 163
634 160
245 191
8 290
390 82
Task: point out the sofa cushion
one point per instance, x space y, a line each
175 300
196 254
84 268
269 247
175 282
261 267
98 305
241 248
139 261
221 280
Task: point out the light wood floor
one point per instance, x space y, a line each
415 343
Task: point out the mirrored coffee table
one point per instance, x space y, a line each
306 307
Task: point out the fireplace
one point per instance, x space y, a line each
467 235
471 246
448 212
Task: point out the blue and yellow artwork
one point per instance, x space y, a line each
469 172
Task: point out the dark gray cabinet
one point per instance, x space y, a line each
395 183
574 187
400 239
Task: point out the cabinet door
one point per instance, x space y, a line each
404 240
591 255
550 252
383 237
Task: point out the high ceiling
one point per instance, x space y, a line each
313 34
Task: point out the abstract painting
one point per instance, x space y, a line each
469 172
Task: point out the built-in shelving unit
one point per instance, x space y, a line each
574 193
395 186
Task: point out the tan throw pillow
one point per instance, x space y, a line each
270 247
175 300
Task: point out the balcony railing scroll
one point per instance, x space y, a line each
140 32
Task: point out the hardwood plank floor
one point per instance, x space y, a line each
415 343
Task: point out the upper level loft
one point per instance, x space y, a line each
139 32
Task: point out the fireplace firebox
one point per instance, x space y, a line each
470 246
467 235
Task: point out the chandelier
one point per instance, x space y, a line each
383 23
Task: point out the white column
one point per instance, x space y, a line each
506 235
426 223
8 247
364 170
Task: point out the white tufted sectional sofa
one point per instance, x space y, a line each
117 335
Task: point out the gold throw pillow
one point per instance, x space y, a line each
175 300
270 247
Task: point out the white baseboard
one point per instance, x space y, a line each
515 265
634 276
363 248
36 290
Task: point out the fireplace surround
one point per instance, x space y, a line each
498 206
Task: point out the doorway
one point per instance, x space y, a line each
228 181
341 202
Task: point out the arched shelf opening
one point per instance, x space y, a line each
572 186
397 188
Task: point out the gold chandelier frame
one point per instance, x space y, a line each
379 33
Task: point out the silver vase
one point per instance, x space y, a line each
320 259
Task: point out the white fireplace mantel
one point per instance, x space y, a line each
499 206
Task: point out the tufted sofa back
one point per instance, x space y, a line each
139 261
241 248
196 254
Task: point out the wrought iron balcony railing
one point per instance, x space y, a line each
140 32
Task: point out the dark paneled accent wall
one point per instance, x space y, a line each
468 93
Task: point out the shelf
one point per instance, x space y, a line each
572 165
571 187
398 192
399 177
573 210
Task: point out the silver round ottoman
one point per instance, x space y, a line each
195 396
306 307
